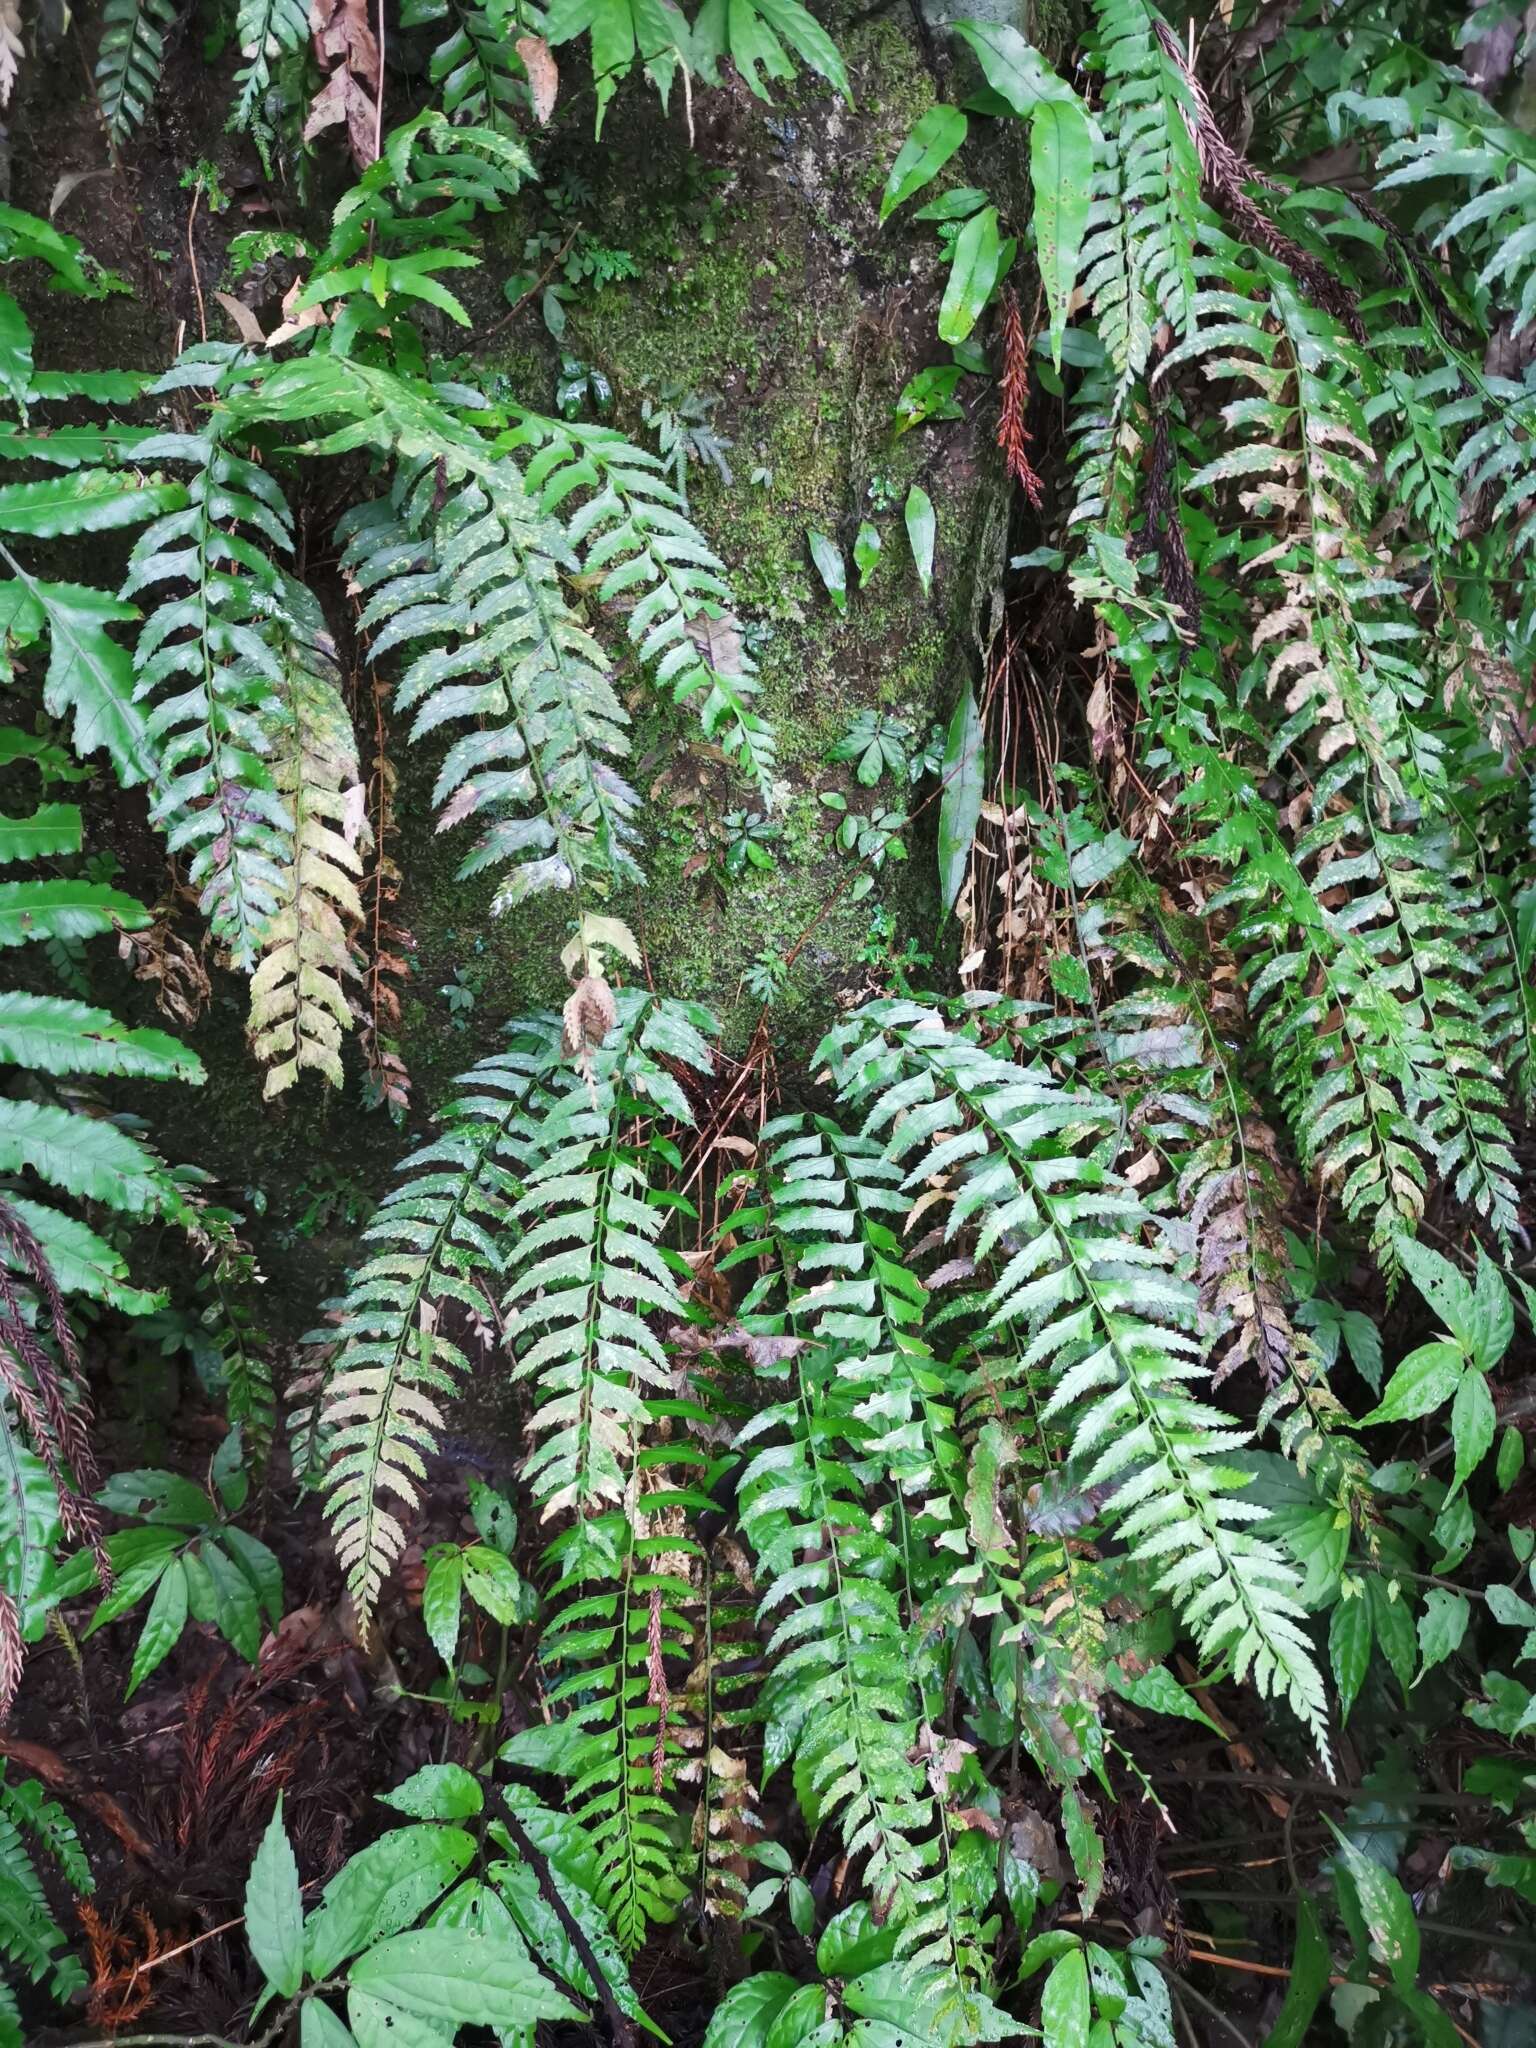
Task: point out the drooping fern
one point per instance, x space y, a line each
31 1939
472 590
584 1271
267 31
381 1411
130 61
633 530
300 1008
1106 1316
213 731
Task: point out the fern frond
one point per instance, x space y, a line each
473 68
437 1241
299 1005
585 1270
30 1936
1149 218
1107 1317
473 592
213 790
633 530
841 1694
267 31
130 60
617 1747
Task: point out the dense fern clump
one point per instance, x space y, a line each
938 1425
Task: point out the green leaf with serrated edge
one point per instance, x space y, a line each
963 778
162 1628
442 1595
382 1889
1510 1608
90 677
973 274
1386 1910
15 352
852 1943
1473 1423
1511 1459
866 551
1445 1287
491 1581
748 2010
52 829
493 1517
922 529
933 141
1066 2012
1425 1380
438 1792
1160 1692
1013 68
89 501
1349 1648
236 1615
1493 1313
830 566
377 2024
65 910
29 1532
274 1910
455 1974
320 2028
57 1035
1442 1624
260 1567
1310 1968
1085 1847
1393 1625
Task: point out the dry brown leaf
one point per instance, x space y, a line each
719 641
543 75
346 47
244 321
294 323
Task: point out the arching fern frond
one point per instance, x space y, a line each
267 31
472 590
584 1271
633 529
437 1242
1106 1316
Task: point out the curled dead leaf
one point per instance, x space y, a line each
543 76
242 319
588 1017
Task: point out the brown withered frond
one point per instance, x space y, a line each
388 944
1013 436
49 1395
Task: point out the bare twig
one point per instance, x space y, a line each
619 2025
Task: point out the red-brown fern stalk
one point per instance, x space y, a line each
1012 434
388 943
